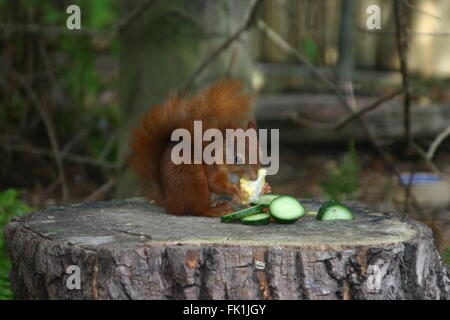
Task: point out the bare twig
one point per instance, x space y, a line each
48 190
437 141
50 130
248 20
109 184
402 42
66 156
386 159
133 15
374 140
368 108
338 126
108 146
295 118
421 11
80 135
96 195
428 162
286 47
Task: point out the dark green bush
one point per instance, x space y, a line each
343 182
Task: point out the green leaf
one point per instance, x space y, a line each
8 197
446 257
53 15
311 49
100 13
343 182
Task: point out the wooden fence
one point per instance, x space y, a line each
311 26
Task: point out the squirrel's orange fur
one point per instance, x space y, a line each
187 188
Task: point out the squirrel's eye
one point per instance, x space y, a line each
239 159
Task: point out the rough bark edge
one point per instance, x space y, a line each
411 270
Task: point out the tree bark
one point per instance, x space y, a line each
131 249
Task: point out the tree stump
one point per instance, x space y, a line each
131 249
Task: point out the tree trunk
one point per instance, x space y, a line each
131 249
346 45
162 48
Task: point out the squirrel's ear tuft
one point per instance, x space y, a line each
251 124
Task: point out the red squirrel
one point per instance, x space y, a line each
188 188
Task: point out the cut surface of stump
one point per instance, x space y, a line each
131 249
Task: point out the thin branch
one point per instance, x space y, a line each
286 47
108 146
66 156
48 190
133 15
80 135
374 140
95 196
368 108
248 20
295 118
338 126
386 159
437 141
106 187
421 11
402 42
50 130
428 162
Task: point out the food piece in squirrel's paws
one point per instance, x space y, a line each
252 189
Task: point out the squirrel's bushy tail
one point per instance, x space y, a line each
220 106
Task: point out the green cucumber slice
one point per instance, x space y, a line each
266 199
242 213
257 219
334 210
286 209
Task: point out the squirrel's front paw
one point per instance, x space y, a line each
267 188
236 197
245 194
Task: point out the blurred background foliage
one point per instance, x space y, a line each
75 78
